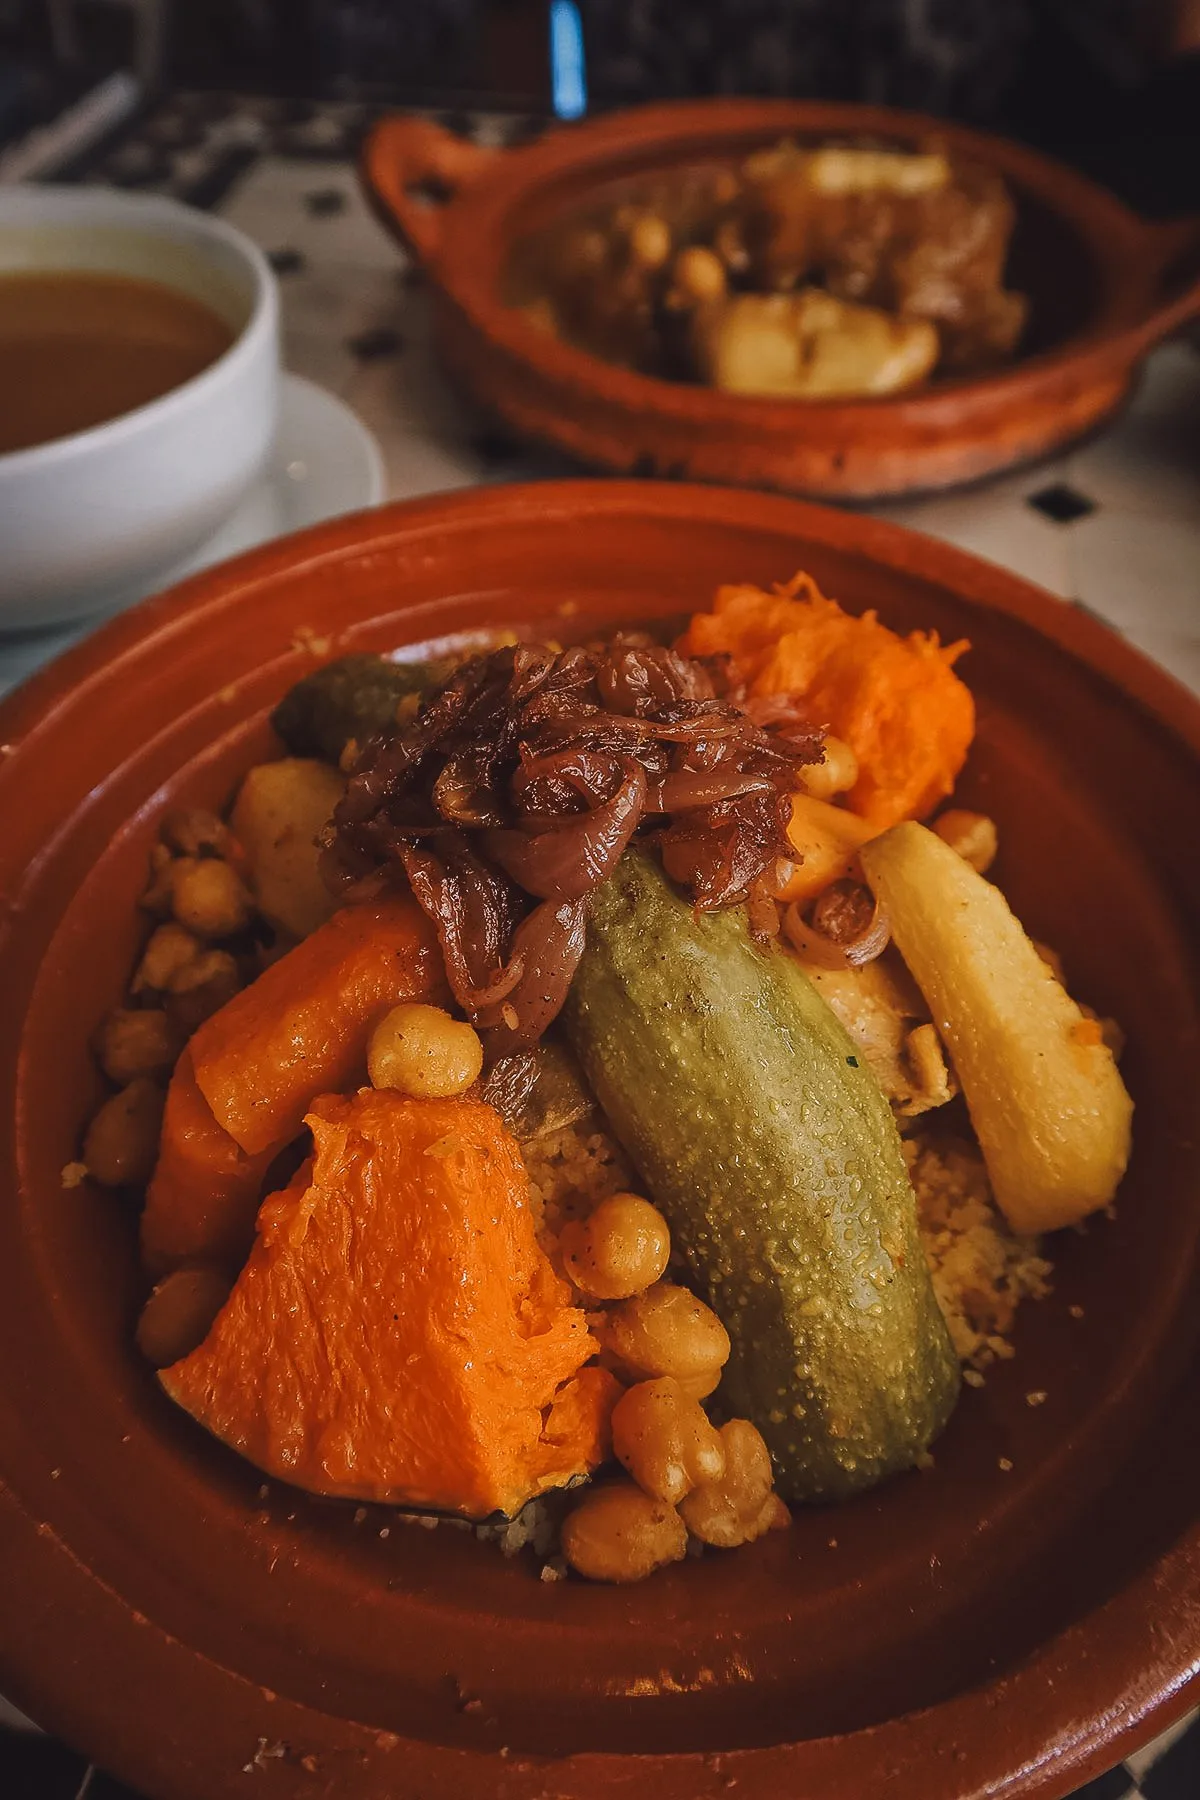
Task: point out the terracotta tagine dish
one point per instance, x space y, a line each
1100 287
1005 1622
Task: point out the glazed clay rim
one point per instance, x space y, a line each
468 270
1133 1660
174 614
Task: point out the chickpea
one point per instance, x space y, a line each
541 313
729 243
158 896
972 834
121 1143
180 1312
619 1250
741 1504
196 830
650 241
666 1440
207 897
584 252
617 1533
132 1043
836 775
169 951
202 987
668 1331
699 274
420 1050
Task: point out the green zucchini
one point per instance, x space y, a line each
775 1158
354 697
357 697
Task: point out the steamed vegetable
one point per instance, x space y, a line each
204 1192
1050 1110
240 1091
302 1028
532 770
280 809
826 840
809 346
885 1015
397 1334
774 1156
895 700
352 698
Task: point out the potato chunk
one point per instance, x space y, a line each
809 346
1050 1109
279 811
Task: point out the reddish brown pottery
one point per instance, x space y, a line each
1105 287
977 1630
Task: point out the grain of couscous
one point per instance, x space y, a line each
981 1270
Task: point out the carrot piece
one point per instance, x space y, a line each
240 1090
302 1028
826 840
397 1334
896 701
204 1193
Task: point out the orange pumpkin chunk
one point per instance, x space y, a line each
397 1334
896 701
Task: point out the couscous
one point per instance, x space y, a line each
576 1099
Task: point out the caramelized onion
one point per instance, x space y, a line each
704 787
779 711
847 929
810 945
569 860
719 852
563 781
873 942
850 915
516 789
643 678
472 910
762 914
462 792
548 944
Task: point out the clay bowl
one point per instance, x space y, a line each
1105 287
962 1633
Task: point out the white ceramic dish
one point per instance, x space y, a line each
86 517
323 462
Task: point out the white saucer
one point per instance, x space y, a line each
325 462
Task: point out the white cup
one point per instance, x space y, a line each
97 517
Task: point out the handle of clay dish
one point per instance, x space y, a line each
1172 248
413 170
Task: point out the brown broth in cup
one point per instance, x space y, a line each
78 348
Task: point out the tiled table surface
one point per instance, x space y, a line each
1114 527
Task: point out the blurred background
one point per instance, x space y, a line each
1112 85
